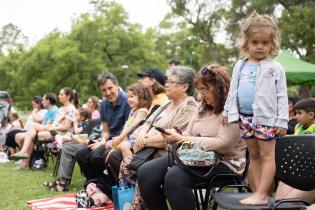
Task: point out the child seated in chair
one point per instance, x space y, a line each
305 115
80 125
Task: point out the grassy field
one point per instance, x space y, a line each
19 186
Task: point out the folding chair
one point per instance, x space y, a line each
295 164
203 191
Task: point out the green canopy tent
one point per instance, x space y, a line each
298 72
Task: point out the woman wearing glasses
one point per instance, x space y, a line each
205 128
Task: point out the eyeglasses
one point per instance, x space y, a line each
170 82
203 90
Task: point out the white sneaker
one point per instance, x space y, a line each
4 157
18 162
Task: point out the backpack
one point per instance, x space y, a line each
38 159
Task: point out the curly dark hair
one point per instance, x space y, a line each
219 78
145 99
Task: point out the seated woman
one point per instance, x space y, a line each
37 116
93 105
63 124
205 128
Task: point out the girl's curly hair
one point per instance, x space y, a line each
253 22
144 97
219 79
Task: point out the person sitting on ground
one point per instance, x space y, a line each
93 105
305 115
139 100
63 124
37 116
292 114
206 128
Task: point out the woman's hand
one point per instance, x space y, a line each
173 136
281 131
140 143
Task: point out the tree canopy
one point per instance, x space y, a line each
106 40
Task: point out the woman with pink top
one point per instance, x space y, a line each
93 105
206 128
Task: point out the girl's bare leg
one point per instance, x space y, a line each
267 169
125 149
254 169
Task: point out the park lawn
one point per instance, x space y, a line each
19 186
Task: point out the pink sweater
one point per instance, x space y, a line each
210 132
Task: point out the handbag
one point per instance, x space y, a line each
122 196
194 157
146 153
141 157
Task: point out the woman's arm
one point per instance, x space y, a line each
157 141
228 135
65 126
37 116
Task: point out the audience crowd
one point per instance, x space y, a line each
162 109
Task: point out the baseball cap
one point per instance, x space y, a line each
154 73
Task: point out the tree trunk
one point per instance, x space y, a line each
305 91
214 53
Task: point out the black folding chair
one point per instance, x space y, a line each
295 164
203 191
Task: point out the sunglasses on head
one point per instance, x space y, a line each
212 69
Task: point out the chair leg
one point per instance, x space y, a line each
71 174
196 199
55 172
205 203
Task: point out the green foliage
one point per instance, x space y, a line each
298 31
105 40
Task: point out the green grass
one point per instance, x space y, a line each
19 186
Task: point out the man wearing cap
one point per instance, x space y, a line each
154 80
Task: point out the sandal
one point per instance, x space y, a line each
50 184
59 187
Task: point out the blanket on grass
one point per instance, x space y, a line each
65 202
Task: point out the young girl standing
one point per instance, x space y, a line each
258 100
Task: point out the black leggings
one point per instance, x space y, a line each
177 184
10 140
